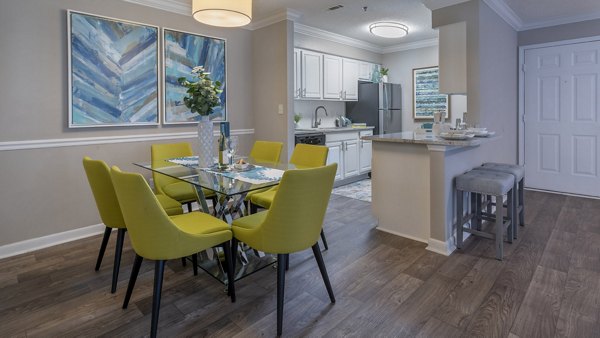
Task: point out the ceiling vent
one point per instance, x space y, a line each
336 7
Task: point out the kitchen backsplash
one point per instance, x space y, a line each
306 109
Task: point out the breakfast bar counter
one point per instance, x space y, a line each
413 183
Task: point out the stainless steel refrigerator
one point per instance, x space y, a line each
379 105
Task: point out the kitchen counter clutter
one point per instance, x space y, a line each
413 183
329 130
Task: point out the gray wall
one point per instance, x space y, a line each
491 71
569 31
44 191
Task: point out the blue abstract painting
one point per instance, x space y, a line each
113 72
182 52
427 98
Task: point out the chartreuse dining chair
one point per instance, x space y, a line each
181 191
292 223
157 236
267 152
304 156
98 175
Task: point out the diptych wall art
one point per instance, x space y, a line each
426 96
113 72
182 52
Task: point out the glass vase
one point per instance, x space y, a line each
206 141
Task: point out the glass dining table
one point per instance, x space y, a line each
230 184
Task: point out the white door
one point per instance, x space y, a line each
332 77
350 79
366 153
351 163
311 75
562 127
335 156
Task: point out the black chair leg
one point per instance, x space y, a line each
287 262
253 208
107 232
134 273
189 206
319 258
281 262
195 263
230 272
324 240
159 270
118 250
183 261
234 249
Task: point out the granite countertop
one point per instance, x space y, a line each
410 137
329 130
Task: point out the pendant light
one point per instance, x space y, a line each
222 13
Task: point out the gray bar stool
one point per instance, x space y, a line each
488 183
519 204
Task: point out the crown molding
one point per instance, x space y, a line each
506 13
173 6
410 45
334 37
560 21
275 18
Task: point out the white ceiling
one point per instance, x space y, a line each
352 21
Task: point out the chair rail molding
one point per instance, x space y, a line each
85 141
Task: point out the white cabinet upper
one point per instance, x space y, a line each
328 77
350 79
311 75
332 77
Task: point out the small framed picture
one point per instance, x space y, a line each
426 96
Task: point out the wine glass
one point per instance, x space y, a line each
232 144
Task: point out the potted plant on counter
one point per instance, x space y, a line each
202 96
384 74
297 118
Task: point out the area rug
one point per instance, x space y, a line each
360 190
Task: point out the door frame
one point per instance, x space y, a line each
521 98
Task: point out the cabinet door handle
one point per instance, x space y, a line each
304 92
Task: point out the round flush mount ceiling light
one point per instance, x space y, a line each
388 29
222 13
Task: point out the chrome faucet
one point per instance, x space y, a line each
316 123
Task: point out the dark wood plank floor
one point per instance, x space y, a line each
547 286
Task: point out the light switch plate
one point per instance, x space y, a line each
280 109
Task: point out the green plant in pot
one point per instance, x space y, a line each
202 97
297 118
384 74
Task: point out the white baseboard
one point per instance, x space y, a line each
445 248
33 244
402 235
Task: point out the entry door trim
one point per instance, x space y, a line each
521 108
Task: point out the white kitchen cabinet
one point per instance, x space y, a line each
332 77
350 79
345 151
311 78
365 70
297 73
365 152
453 58
335 156
351 161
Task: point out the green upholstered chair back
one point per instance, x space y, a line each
295 219
266 151
309 156
161 152
98 175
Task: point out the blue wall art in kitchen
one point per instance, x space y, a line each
113 72
426 96
182 52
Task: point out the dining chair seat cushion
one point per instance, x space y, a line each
171 206
184 192
254 192
199 223
264 199
250 222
